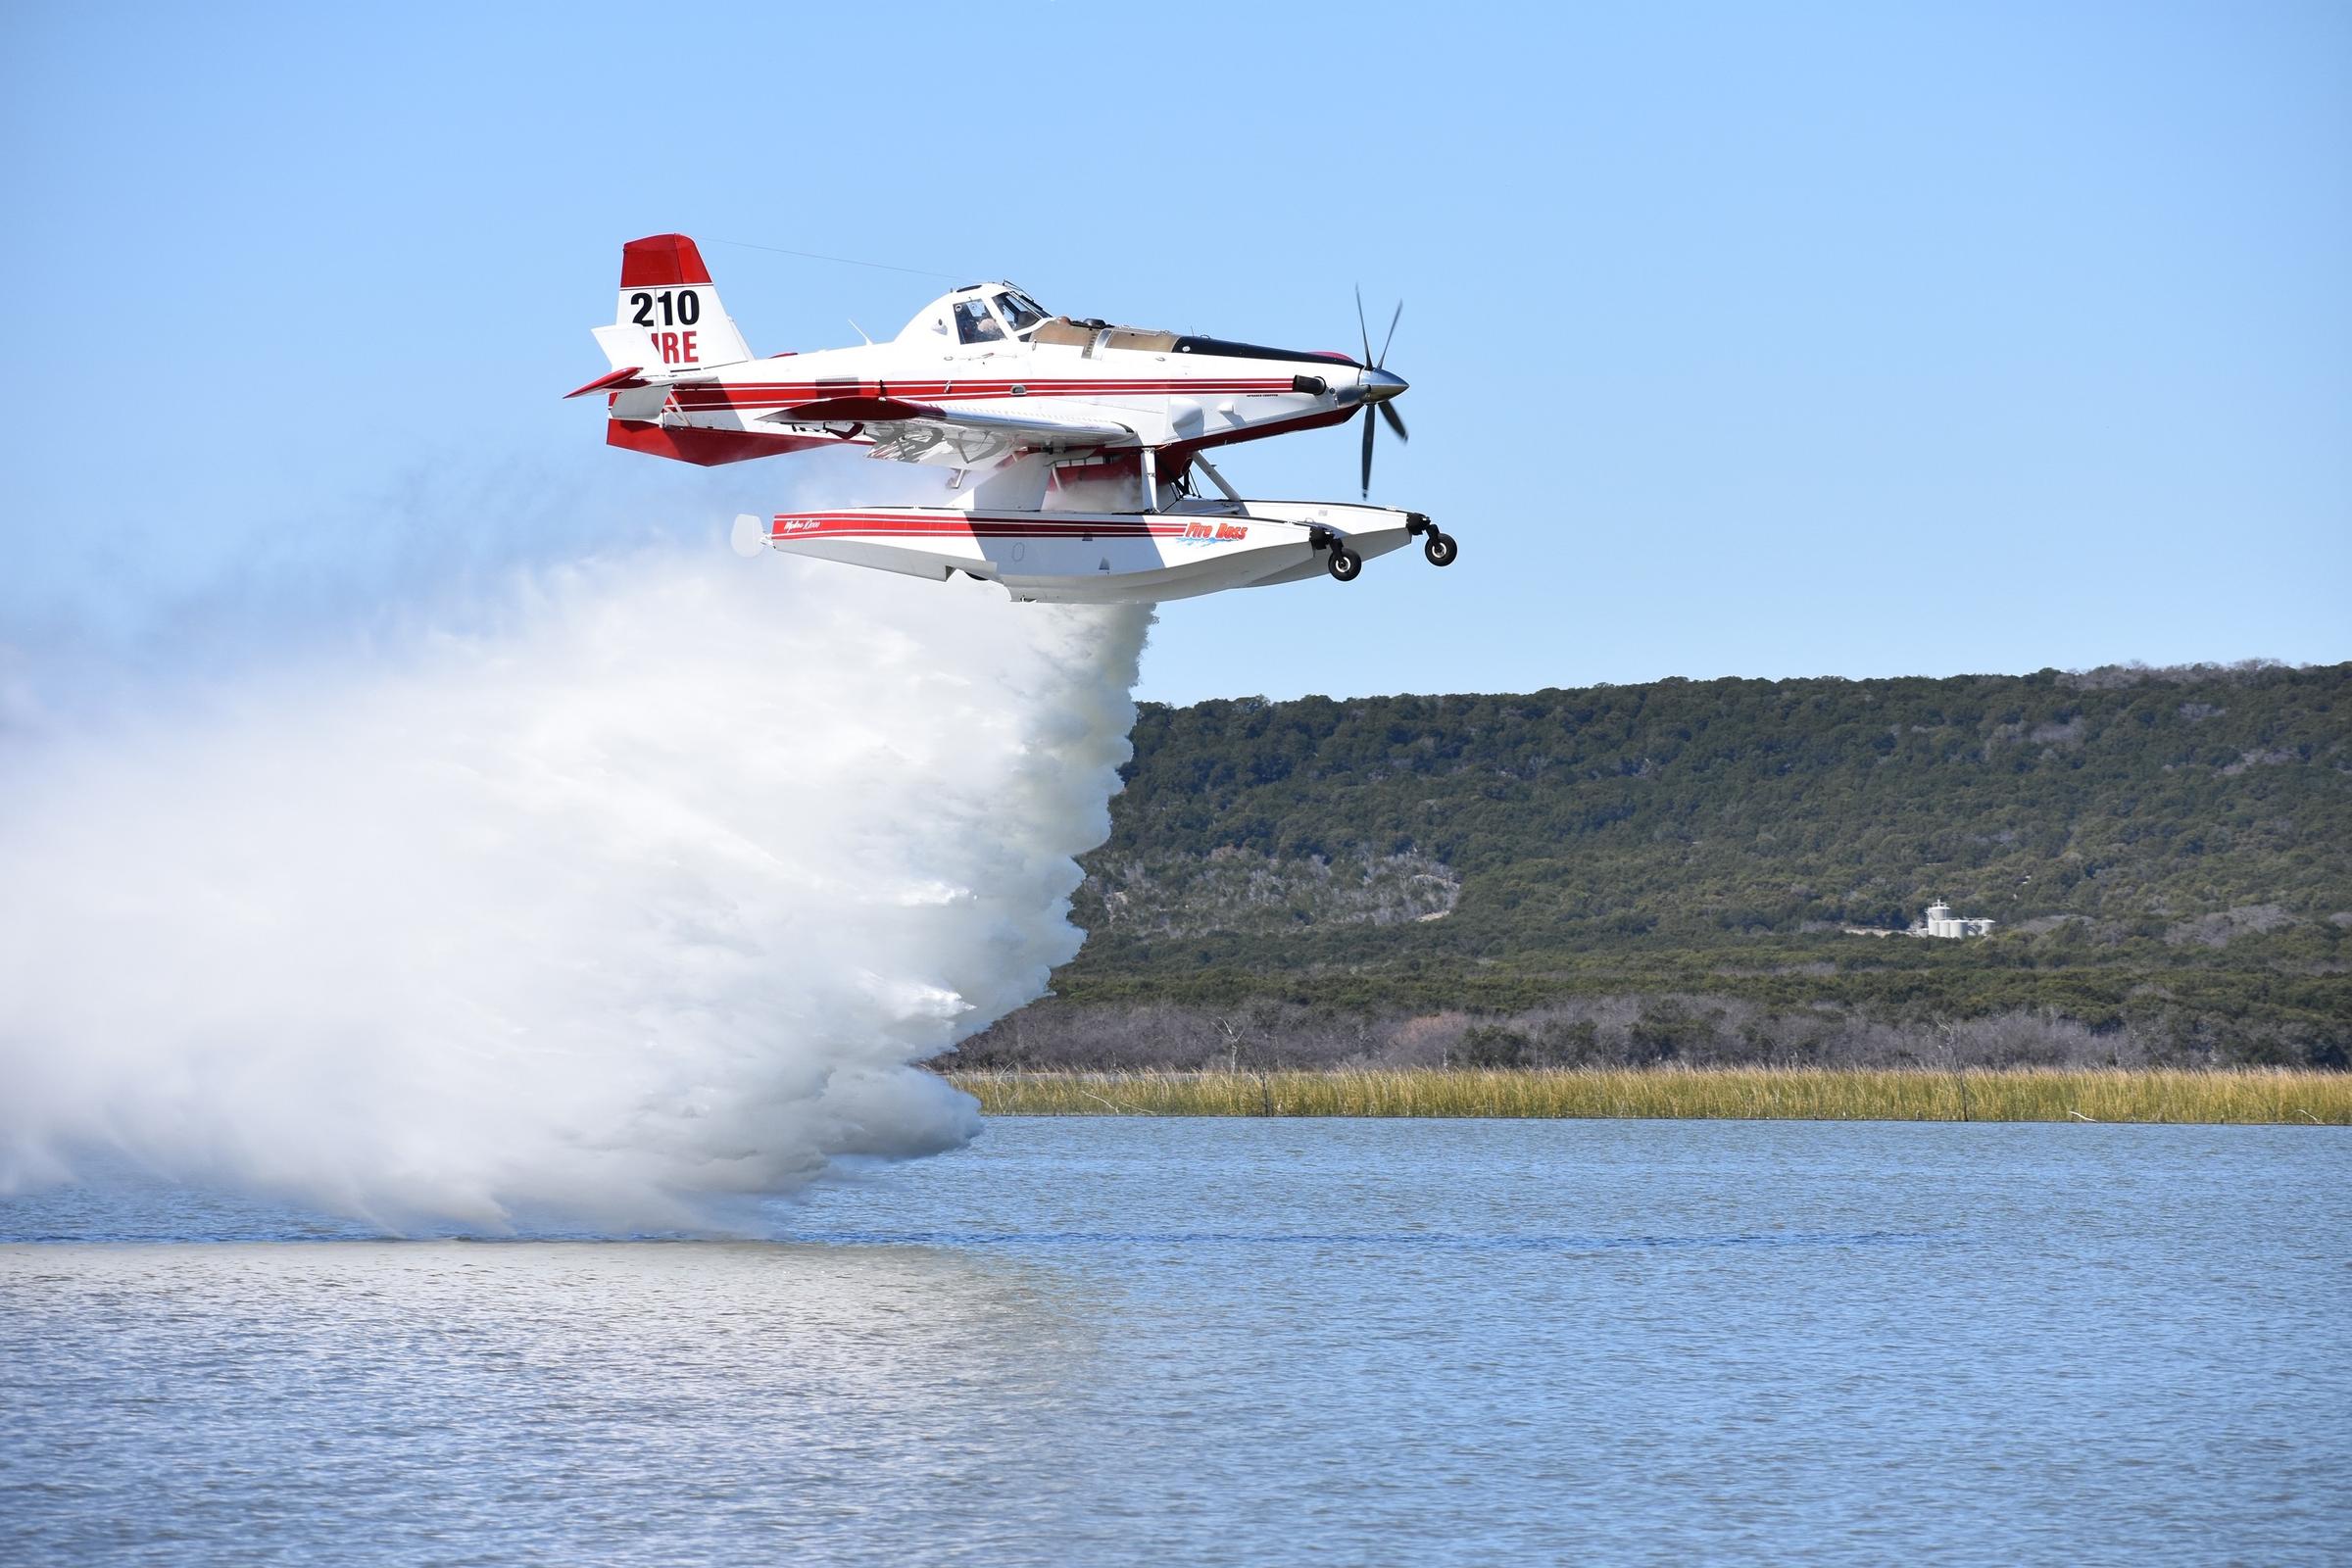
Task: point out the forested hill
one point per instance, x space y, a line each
1681 807
1486 851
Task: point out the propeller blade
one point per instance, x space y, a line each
1388 412
1368 428
1359 323
1391 337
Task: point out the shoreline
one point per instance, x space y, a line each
2206 1097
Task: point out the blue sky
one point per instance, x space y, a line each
1743 340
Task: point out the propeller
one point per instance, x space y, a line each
1387 409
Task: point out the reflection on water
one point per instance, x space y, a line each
1024 1240
1128 1341
730 1394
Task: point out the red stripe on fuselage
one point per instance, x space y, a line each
958 525
784 395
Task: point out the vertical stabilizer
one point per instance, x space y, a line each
669 316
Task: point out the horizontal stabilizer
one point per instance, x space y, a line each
620 380
627 345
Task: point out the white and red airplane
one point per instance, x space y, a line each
1074 444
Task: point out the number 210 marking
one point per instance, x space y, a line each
685 312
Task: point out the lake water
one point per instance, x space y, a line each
1094 1342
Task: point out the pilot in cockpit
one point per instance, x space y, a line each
975 323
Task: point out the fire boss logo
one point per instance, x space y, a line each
795 524
1204 532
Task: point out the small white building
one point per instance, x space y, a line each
1941 922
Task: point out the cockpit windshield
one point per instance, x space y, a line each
1020 310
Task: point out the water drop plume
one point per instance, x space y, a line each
626 906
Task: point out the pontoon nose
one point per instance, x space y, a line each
1382 385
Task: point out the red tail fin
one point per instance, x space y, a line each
661 258
670 318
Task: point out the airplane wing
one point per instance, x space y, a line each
917 433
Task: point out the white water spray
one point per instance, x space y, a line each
636 905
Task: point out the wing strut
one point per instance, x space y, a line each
1216 478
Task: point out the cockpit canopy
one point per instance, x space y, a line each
985 313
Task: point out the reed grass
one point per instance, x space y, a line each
1796 1094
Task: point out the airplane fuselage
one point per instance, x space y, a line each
1176 401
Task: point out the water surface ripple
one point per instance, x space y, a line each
1130 1340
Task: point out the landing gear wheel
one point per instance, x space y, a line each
1344 563
1441 549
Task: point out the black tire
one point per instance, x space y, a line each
1441 549
1344 563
